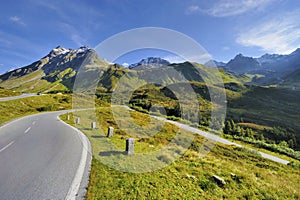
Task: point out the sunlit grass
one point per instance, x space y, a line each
247 175
20 107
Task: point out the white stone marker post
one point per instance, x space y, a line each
93 125
110 131
130 146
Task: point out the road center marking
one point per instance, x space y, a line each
6 146
33 123
27 130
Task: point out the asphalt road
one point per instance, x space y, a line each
41 157
17 97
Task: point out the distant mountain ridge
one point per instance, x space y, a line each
267 69
149 63
266 62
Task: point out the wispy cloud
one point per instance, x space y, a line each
174 59
12 44
74 34
226 48
17 20
193 9
276 35
81 28
226 8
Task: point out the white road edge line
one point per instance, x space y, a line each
74 189
28 129
6 146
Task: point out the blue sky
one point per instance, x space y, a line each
29 29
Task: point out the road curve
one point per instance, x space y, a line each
216 138
224 141
41 157
17 97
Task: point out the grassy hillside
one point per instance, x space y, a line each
17 108
247 175
272 107
291 81
8 93
54 72
276 109
36 82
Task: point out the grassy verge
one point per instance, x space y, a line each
17 108
228 137
8 93
247 175
253 146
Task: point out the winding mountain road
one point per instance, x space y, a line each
224 141
17 97
41 157
216 138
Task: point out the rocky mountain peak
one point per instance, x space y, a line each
240 55
242 63
58 50
148 63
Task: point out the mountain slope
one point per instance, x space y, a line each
166 75
266 70
54 72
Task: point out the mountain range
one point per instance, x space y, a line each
56 71
269 69
262 90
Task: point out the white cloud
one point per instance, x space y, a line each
125 64
276 35
193 9
17 20
225 8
